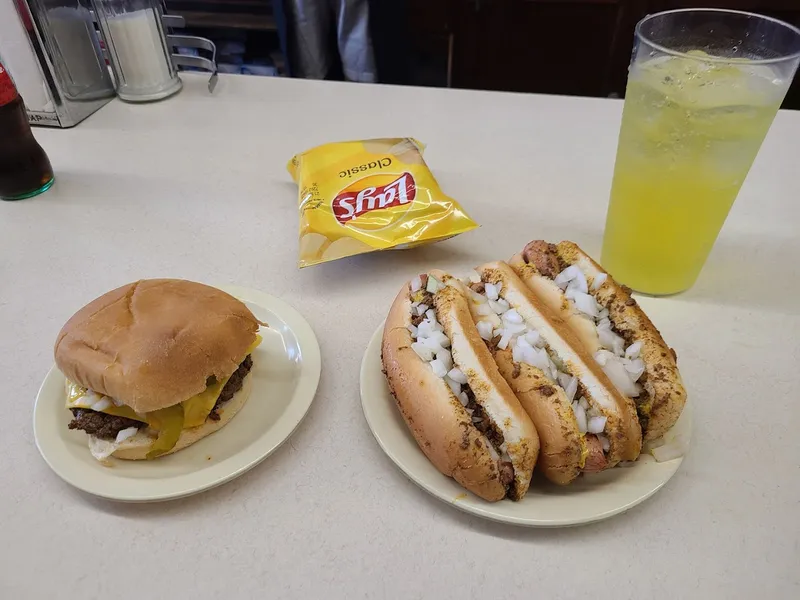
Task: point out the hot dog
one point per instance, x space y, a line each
584 423
460 410
611 327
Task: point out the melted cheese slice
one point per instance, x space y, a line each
195 409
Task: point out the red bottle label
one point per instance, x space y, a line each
7 90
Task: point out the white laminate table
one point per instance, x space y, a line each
196 187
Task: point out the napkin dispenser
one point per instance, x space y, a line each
52 50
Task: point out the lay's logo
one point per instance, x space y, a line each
350 204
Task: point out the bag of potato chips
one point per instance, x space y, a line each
368 195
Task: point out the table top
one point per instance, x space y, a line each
196 187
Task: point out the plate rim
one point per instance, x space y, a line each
476 509
305 394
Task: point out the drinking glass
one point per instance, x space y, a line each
703 88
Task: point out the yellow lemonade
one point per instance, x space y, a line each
690 132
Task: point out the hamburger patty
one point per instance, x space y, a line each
100 424
108 426
233 385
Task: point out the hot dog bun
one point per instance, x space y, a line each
663 395
438 419
545 399
561 454
490 388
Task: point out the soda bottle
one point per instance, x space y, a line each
25 170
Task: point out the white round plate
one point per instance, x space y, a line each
285 375
588 499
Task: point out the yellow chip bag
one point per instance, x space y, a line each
362 196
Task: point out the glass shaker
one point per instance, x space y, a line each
137 48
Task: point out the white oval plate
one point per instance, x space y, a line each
588 499
285 375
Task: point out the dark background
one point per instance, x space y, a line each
575 47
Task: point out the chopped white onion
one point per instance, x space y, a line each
441 339
484 310
602 356
515 328
518 353
633 350
421 309
599 280
413 330
512 316
476 297
580 282
464 399
485 329
603 314
474 276
454 386
102 404
433 285
619 377
423 351
567 275
533 337
430 314
572 388
635 368
124 434
438 368
416 284
586 304
504 340
604 442
584 403
458 375
492 291
564 379
444 355
580 415
609 339
537 358
499 306
101 449
671 450
596 424
431 342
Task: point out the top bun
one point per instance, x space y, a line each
154 343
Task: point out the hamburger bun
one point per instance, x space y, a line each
154 343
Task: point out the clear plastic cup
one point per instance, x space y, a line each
703 89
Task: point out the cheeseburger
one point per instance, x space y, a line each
156 365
